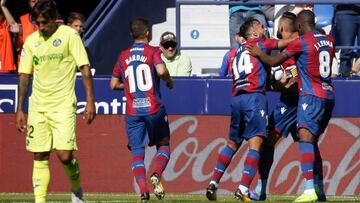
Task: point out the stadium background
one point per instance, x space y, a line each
199 123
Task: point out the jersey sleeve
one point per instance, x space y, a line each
268 44
224 66
26 59
157 56
77 50
293 48
116 71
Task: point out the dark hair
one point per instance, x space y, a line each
290 19
245 27
46 9
138 27
307 17
75 16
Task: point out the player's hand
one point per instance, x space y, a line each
254 50
20 121
170 83
90 112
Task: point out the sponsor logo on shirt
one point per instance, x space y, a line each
141 102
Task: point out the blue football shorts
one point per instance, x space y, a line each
149 129
248 117
314 113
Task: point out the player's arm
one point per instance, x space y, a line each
273 61
10 19
163 73
90 110
224 66
23 86
116 84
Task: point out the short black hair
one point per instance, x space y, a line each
138 27
290 20
245 27
46 9
307 17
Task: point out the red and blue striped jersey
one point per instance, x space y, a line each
249 72
313 53
226 66
136 68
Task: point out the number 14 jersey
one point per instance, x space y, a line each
136 69
249 72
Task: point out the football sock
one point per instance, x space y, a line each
41 179
222 163
72 171
162 158
266 161
261 186
318 170
138 168
307 163
250 168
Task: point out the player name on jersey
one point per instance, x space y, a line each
136 58
323 43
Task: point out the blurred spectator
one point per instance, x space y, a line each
7 64
241 13
356 67
346 30
177 63
22 30
76 20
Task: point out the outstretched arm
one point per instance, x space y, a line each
23 86
271 60
163 73
7 13
90 110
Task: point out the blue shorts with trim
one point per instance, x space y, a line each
248 117
314 113
149 129
283 119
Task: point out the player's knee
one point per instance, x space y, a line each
306 135
41 156
233 145
65 156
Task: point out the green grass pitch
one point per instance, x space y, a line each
169 198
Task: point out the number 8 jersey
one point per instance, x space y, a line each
136 69
249 72
313 53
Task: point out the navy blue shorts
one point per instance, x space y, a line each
283 119
314 113
248 117
150 129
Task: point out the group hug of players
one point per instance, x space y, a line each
304 109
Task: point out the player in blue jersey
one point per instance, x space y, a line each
282 121
248 108
138 71
314 53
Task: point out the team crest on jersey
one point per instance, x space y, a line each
57 42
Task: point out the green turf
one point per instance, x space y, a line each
131 197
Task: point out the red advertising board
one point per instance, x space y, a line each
195 144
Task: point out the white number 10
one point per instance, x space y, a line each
142 78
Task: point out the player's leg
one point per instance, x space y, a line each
38 141
41 176
227 152
250 167
157 126
265 163
136 131
63 126
255 120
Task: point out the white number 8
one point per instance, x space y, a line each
143 78
324 67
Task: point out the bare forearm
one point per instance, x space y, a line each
23 87
272 60
8 15
88 83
